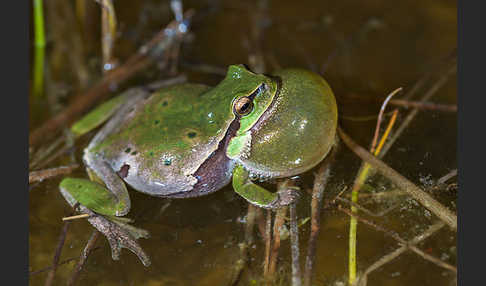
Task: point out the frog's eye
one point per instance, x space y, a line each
243 106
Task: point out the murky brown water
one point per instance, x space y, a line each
377 46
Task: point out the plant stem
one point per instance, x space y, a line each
39 51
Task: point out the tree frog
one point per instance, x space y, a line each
190 140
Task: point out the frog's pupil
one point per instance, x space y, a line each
245 107
191 134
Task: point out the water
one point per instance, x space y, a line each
366 49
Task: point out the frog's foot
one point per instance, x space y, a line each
120 235
285 197
117 230
259 196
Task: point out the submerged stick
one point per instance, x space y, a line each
57 255
320 182
415 192
279 221
294 247
268 240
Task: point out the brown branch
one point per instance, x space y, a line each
37 176
320 182
415 192
140 60
294 247
279 221
57 254
268 240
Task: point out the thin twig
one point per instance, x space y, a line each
446 177
37 176
424 105
294 247
367 211
440 82
422 197
57 254
279 220
268 240
407 244
320 182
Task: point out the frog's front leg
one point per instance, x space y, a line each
259 196
103 204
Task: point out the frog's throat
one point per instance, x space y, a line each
239 146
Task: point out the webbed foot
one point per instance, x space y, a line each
117 230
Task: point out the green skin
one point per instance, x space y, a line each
189 140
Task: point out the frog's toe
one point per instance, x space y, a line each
287 197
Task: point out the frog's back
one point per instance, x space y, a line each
165 138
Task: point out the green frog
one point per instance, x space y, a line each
190 140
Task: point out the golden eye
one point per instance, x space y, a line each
243 106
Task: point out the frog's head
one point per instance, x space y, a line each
287 123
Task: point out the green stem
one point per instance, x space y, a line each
39 43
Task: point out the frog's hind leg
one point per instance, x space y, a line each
259 196
103 204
